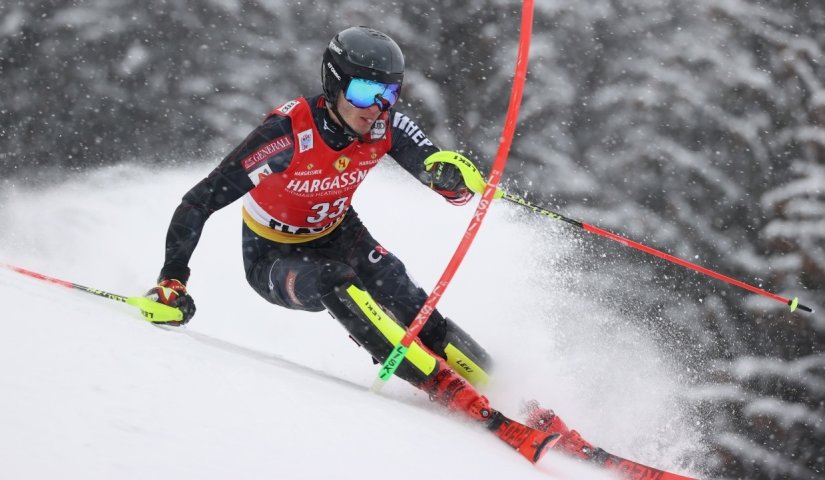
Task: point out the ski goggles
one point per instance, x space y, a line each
363 93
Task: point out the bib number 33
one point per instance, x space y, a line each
328 210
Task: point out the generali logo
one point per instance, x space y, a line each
263 154
342 163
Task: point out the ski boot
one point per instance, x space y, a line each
454 392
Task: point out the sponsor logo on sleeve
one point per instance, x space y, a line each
263 154
305 141
403 122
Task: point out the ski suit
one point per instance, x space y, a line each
304 246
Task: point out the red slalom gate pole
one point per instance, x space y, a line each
399 352
792 303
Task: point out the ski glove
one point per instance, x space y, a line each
172 292
471 177
447 179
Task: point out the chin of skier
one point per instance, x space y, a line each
304 246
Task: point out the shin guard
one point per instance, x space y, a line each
464 354
372 328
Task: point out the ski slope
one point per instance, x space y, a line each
255 391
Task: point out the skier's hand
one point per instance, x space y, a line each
447 179
172 292
471 177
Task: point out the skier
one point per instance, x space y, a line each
304 246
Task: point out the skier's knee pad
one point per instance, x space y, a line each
286 282
463 353
369 325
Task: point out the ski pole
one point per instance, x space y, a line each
792 303
399 351
151 310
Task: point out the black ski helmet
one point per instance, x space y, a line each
360 52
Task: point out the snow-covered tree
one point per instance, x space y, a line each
697 128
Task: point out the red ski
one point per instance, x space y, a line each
632 470
530 442
572 444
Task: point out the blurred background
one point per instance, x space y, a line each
697 128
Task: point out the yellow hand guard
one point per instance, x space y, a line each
472 177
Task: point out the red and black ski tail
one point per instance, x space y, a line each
572 444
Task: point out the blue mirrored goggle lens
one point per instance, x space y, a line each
364 93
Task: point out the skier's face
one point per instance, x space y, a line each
360 119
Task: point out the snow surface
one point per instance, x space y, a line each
251 391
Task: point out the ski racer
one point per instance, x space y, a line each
304 246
